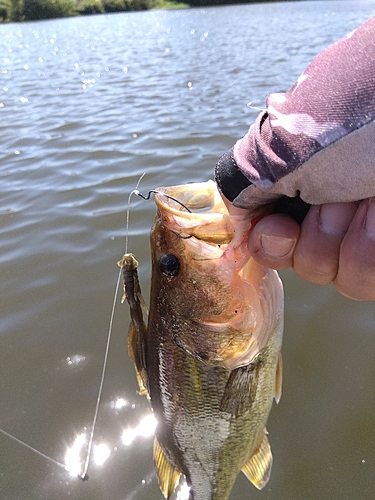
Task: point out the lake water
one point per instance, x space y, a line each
86 106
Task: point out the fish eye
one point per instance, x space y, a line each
169 265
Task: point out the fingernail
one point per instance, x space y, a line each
334 218
276 246
370 219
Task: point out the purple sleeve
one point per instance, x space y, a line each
317 140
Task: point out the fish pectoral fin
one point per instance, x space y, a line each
258 468
137 354
279 378
240 389
167 474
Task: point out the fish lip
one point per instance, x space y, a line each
208 219
210 203
199 202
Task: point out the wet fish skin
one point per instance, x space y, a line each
210 399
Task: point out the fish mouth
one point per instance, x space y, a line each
196 213
197 210
237 307
202 198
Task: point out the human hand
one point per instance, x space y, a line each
335 242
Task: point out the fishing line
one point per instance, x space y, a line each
83 475
249 105
33 449
135 191
147 197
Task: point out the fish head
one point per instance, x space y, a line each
218 300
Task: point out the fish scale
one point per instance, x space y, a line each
209 359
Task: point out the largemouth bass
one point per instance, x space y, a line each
209 358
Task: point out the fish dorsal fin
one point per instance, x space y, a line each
279 378
240 390
258 468
167 474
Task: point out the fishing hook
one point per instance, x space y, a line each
138 193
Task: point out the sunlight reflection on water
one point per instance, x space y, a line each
73 456
145 429
183 491
74 459
78 128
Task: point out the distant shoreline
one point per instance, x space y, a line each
37 10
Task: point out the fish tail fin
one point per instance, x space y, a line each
258 468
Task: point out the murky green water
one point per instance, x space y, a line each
86 106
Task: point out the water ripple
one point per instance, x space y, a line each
88 105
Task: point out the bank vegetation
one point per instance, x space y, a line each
33 10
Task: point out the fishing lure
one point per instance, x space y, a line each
133 295
137 329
